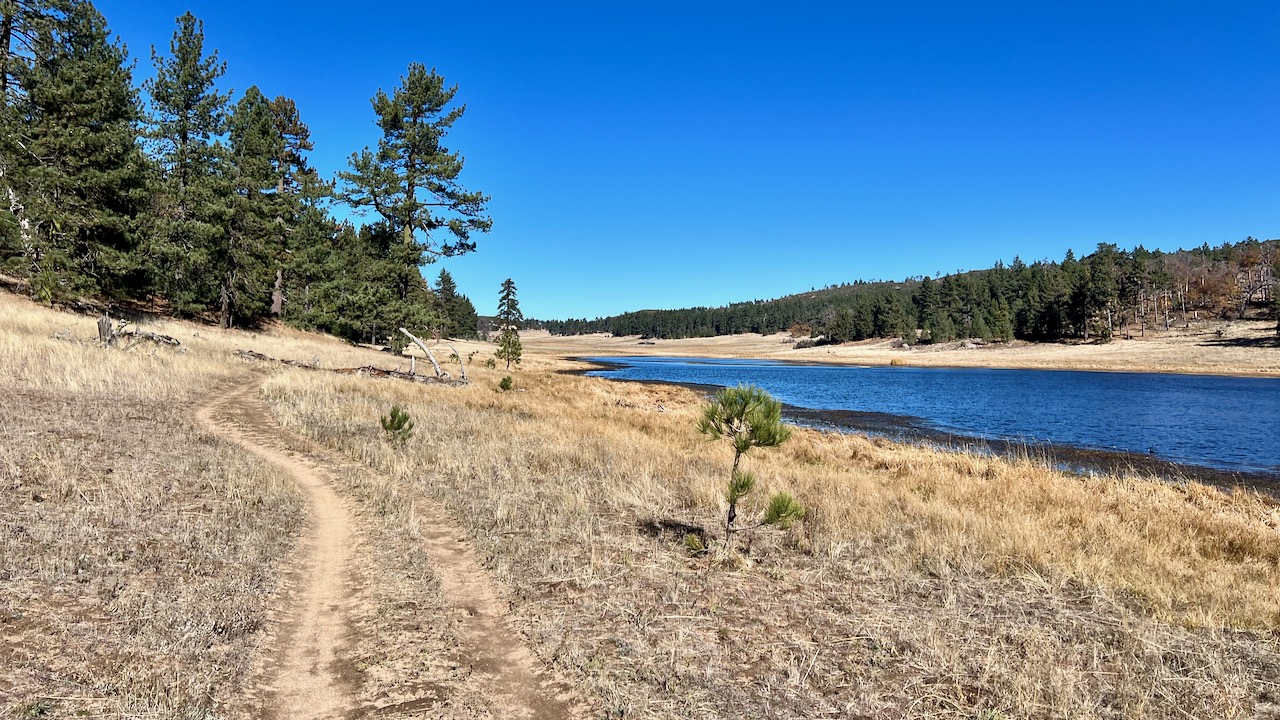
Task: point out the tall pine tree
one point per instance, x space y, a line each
192 209
460 318
255 234
411 182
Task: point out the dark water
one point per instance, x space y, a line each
1229 423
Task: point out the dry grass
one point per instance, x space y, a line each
922 584
136 554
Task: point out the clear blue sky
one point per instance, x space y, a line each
661 154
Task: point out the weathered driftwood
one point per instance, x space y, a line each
366 370
462 365
440 373
106 333
109 334
140 335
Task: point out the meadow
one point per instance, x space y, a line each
140 555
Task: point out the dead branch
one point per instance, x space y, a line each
440 373
462 366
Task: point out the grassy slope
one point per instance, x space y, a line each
922 584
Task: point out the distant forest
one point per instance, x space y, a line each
172 197
1107 293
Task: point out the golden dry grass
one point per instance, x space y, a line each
136 554
921 584
924 583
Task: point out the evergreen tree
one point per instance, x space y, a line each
255 234
412 179
74 172
460 318
192 210
509 321
299 192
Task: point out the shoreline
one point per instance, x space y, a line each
907 430
1246 349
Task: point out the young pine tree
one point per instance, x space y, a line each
748 418
509 320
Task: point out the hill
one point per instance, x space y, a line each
1107 293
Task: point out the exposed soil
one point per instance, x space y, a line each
306 669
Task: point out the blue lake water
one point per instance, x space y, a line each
1230 423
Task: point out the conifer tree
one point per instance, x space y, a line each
509 321
74 172
412 179
192 212
460 319
299 192
748 418
255 234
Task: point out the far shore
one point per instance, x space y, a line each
1245 348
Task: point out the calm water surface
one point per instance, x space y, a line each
1230 423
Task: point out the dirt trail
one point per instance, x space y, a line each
300 676
303 673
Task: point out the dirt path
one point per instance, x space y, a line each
303 672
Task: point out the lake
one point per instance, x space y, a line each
1227 423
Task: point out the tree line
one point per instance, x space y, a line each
1107 293
173 197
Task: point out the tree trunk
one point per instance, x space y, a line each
277 294
224 317
6 40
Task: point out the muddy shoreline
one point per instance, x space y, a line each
912 430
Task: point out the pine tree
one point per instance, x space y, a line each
749 418
412 179
192 212
255 233
460 319
77 178
299 192
509 321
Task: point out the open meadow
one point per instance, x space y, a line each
149 565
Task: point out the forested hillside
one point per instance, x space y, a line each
1109 292
177 197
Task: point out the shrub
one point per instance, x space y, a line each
506 384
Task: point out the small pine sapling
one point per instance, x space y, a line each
749 418
506 384
398 426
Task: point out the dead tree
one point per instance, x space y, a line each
440 373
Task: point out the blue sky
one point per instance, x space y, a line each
659 155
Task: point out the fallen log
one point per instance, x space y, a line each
366 370
140 335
